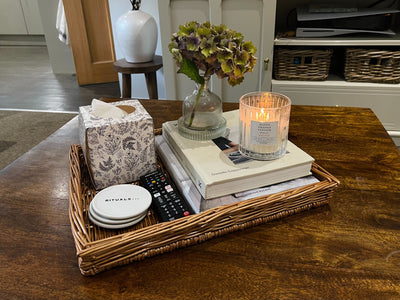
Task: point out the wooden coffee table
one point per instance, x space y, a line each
348 249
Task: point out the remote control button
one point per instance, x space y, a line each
167 203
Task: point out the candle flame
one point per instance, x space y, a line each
262 115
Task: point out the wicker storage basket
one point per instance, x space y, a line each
100 249
379 66
302 64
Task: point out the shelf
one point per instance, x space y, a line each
339 82
382 98
392 40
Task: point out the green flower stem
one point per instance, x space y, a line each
196 103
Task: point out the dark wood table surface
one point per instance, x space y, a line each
348 249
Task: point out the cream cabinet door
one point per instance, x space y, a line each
20 17
32 16
255 19
12 18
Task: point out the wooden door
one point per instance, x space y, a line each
255 19
91 39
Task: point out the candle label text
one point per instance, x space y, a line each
263 133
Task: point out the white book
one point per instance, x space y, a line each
214 174
188 190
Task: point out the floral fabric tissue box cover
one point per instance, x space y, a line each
117 150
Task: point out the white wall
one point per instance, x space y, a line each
120 7
61 59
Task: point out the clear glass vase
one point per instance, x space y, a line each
202 114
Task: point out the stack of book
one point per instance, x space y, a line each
214 173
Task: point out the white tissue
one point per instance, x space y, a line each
106 110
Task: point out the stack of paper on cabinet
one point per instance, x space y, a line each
218 173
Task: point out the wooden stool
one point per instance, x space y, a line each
148 68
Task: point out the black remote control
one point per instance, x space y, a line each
167 202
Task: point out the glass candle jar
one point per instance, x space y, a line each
264 125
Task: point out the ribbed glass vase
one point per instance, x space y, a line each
202 114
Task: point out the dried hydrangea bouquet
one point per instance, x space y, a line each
201 50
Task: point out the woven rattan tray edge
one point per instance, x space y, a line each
104 254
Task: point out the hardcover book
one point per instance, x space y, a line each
217 169
189 191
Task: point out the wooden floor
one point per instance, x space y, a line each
28 82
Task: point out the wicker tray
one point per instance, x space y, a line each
101 249
372 65
302 64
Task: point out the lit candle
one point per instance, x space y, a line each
264 125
